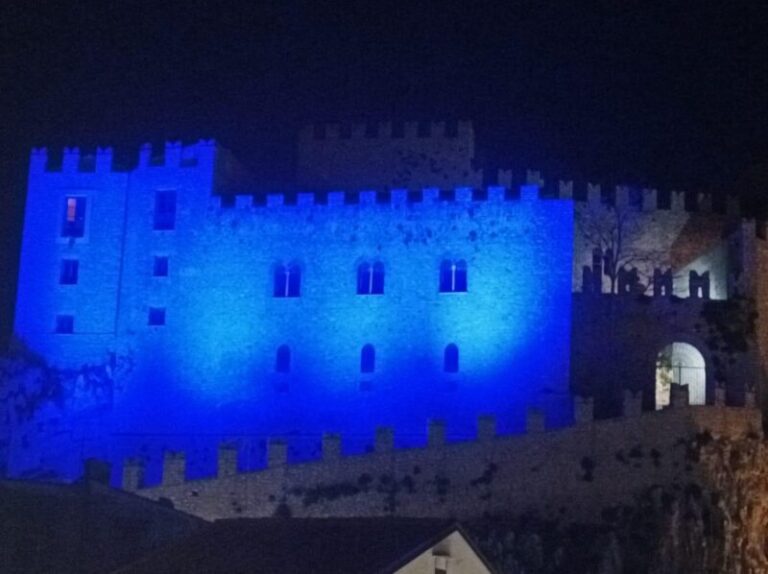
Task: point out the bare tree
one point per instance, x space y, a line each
618 233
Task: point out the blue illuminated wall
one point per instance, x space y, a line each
210 371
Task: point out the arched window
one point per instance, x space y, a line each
287 281
368 359
370 278
680 364
453 276
451 359
283 359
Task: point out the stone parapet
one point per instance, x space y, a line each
577 470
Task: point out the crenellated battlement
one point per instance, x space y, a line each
387 155
101 160
647 199
334 131
174 154
174 462
425 196
459 478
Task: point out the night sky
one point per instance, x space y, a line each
669 94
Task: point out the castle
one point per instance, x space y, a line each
179 304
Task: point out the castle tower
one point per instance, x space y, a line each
386 155
90 238
71 253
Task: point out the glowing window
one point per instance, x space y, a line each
65 324
453 276
451 359
160 266
368 359
287 281
283 359
370 278
68 274
681 364
156 316
74 217
165 210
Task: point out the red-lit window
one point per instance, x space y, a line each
71 209
74 217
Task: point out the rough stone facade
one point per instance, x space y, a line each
617 338
213 368
407 155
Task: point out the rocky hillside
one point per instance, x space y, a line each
714 525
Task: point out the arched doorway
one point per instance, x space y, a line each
680 364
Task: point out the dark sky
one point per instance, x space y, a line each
673 94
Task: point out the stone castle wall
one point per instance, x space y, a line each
385 155
118 217
211 368
524 254
616 341
571 473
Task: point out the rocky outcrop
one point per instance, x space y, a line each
714 524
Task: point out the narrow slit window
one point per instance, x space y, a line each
69 272
368 359
74 217
451 359
283 359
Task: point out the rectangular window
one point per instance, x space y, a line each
165 210
156 316
287 281
160 267
65 324
73 224
69 271
453 276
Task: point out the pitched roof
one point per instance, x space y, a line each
82 527
293 545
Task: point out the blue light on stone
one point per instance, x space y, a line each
210 370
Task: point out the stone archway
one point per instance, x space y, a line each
681 364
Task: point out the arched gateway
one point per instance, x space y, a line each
680 364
